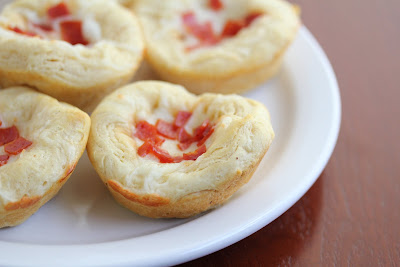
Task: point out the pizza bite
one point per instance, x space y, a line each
41 141
164 152
217 46
74 50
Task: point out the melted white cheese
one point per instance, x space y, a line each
91 30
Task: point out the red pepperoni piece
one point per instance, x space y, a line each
71 32
4 159
195 154
162 155
145 149
150 148
203 32
182 118
166 129
232 27
18 30
147 132
251 17
8 135
43 27
216 4
59 10
184 146
201 134
189 19
15 147
199 131
185 139
206 134
184 136
150 135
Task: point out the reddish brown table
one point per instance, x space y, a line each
351 216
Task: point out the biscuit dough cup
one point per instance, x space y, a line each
217 46
164 152
41 141
74 50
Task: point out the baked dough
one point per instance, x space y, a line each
126 3
77 74
58 133
241 137
230 65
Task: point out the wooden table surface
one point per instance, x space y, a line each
351 216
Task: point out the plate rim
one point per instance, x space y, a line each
165 258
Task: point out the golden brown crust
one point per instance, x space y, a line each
242 136
23 203
238 82
76 74
235 64
151 200
86 99
68 173
58 133
18 212
193 203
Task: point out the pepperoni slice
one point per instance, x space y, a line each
216 4
251 17
150 148
16 146
206 134
43 27
195 154
184 136
165 157
189 19
184 146
232 27
201 134
18 30
199 131
182 118
71 32
59 10
4 159
145 149
8 135
162 155
150 135
203 32
166 129
185 139
147 132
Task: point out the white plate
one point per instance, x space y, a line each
83 225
